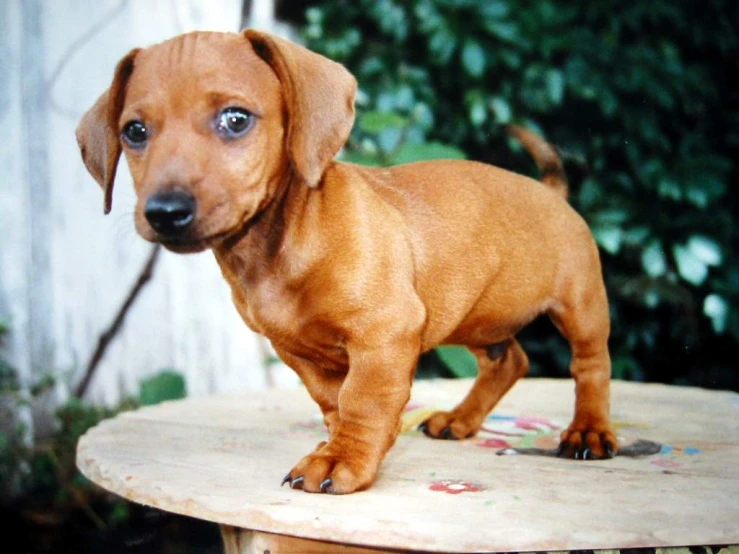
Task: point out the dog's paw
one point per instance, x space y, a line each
595 442
331 469
448 426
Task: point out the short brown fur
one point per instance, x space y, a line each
352 272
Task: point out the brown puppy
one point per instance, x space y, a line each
351 271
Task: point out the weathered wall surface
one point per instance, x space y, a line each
65 268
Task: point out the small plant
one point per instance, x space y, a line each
51 505
41 481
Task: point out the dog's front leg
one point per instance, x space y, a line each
323 385
370 402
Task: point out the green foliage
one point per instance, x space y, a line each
167 385
388 138
52 476
8 377
458 359
44 477
637 96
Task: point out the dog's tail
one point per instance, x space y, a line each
545 156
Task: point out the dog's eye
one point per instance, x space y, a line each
135 134
234 122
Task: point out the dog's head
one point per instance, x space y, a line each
212 124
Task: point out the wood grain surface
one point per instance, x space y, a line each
222 459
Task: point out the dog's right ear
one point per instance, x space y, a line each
319 96
97 132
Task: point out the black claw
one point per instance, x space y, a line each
425 428
610 450
327 485
561 450
286 480
565 450
446 433
297 482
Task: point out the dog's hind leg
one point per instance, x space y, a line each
584 321
499 367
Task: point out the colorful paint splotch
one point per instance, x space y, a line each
518 426
671 456
508 432
498 431
455 486
493 442
668 449
505 434
666 463
306 429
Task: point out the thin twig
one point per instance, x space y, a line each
76 494
106 338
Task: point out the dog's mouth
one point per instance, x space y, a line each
189 244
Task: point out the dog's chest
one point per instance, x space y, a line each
291 320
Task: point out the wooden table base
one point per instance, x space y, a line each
245 541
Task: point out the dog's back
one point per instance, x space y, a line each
491 228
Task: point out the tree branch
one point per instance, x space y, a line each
107 337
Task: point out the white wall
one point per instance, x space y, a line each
64 267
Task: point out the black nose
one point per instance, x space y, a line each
170 213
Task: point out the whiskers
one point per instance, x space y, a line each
124 228
123 217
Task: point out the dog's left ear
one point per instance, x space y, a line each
97 132
319 96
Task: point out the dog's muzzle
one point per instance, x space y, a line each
170 213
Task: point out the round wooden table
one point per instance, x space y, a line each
222 459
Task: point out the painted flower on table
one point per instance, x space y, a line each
518 425
494 443
455 486
538 424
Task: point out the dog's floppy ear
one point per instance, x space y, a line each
319 96
97 132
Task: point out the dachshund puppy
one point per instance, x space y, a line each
351 272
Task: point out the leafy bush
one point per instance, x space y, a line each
45 476
166 385
637 98
49 506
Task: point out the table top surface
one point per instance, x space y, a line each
222 459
